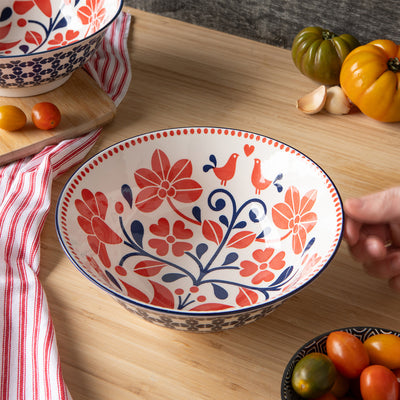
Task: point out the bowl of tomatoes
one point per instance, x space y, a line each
44 41
360 363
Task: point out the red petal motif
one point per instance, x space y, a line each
160 164
148 267
145 177
33 37
187 190
246 297
212 231
45 7
135 293
162 296
180 170
211 307
242 240
104 232
22 7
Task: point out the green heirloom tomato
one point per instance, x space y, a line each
319 53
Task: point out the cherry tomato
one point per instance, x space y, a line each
397 373
341 385
384 349
12 118
46 115
378 383
348 353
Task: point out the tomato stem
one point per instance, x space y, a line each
327 35
394 64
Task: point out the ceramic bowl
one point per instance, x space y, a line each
200 228
43 41
318 344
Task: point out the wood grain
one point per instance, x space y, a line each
184 75
83 105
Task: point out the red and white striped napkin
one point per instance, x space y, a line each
30 364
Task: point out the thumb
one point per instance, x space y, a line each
380 207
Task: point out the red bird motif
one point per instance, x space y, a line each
226 172
257 179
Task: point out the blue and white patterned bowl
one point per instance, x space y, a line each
43 41
200 228
318 344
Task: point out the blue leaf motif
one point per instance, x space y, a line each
240 225
309 244
137 231
254 216
113 280
224 220
61 24
196 211
172 277
24 48
207 167
201 249
230 258
213 160
284 275
127 193
220 292
5 14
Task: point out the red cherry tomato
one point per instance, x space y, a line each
348 353
46 115
397 373
384 349
12 118
378 383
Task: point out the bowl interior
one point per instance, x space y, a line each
200 220
318 344
31 27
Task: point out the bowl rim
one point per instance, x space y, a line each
42 52
349 329
183 313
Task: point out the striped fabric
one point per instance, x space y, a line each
30 364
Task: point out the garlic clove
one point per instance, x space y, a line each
313 102
336 101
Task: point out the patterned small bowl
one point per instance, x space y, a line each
318 344
43 41
200 228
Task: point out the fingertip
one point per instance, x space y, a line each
375 248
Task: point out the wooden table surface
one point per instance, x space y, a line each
185 75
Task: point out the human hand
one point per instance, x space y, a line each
372 231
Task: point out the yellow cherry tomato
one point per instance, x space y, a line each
12 118
384 349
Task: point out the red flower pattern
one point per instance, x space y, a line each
162 229
261 269
295 216
164 182
92 209
59 39
92 14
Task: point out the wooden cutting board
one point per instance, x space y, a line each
84 106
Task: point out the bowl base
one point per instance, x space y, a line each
33 90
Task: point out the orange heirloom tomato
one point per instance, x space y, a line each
370 77
384 349
378 383
12 118
348 353
46 115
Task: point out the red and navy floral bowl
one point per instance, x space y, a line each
43 41
200 228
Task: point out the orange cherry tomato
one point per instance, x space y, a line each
46 115
348 353
384 349
12 118
378 383
397 373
